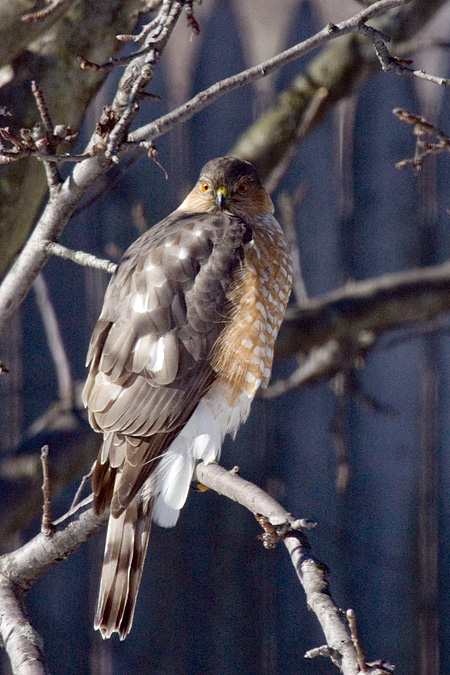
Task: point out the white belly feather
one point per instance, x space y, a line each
200 439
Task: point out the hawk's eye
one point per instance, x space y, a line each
205 187
242 188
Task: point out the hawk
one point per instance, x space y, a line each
184 340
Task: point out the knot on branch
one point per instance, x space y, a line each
276 532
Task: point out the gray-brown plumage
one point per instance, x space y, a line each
184 340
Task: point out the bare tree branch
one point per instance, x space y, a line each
21 568
361 313
46 526
390 63
208 96
81 257
21 642
49 139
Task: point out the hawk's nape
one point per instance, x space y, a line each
184 340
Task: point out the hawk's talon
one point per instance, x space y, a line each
200 487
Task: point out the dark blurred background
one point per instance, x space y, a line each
212 599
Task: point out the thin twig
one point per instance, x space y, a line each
145 30
8 156
51 142
55 342
81 487
46 527
43 110
44 13
112 63
351 617
80 257
423 149
391 63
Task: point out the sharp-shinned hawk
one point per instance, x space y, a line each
184 341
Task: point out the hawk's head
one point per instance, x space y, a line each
229 185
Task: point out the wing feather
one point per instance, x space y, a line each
151 350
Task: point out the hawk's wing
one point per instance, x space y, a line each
150 352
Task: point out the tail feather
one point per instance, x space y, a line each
126 546
164 515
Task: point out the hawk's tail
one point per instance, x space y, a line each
126 546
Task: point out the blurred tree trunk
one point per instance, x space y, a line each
340 68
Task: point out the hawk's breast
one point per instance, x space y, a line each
243 353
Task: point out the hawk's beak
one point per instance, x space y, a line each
221 198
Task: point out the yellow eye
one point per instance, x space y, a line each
242 188
205 187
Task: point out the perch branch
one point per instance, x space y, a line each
23 567
311 573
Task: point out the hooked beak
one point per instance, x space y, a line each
221 198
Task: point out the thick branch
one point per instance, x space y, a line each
21 642
367 307
29 563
